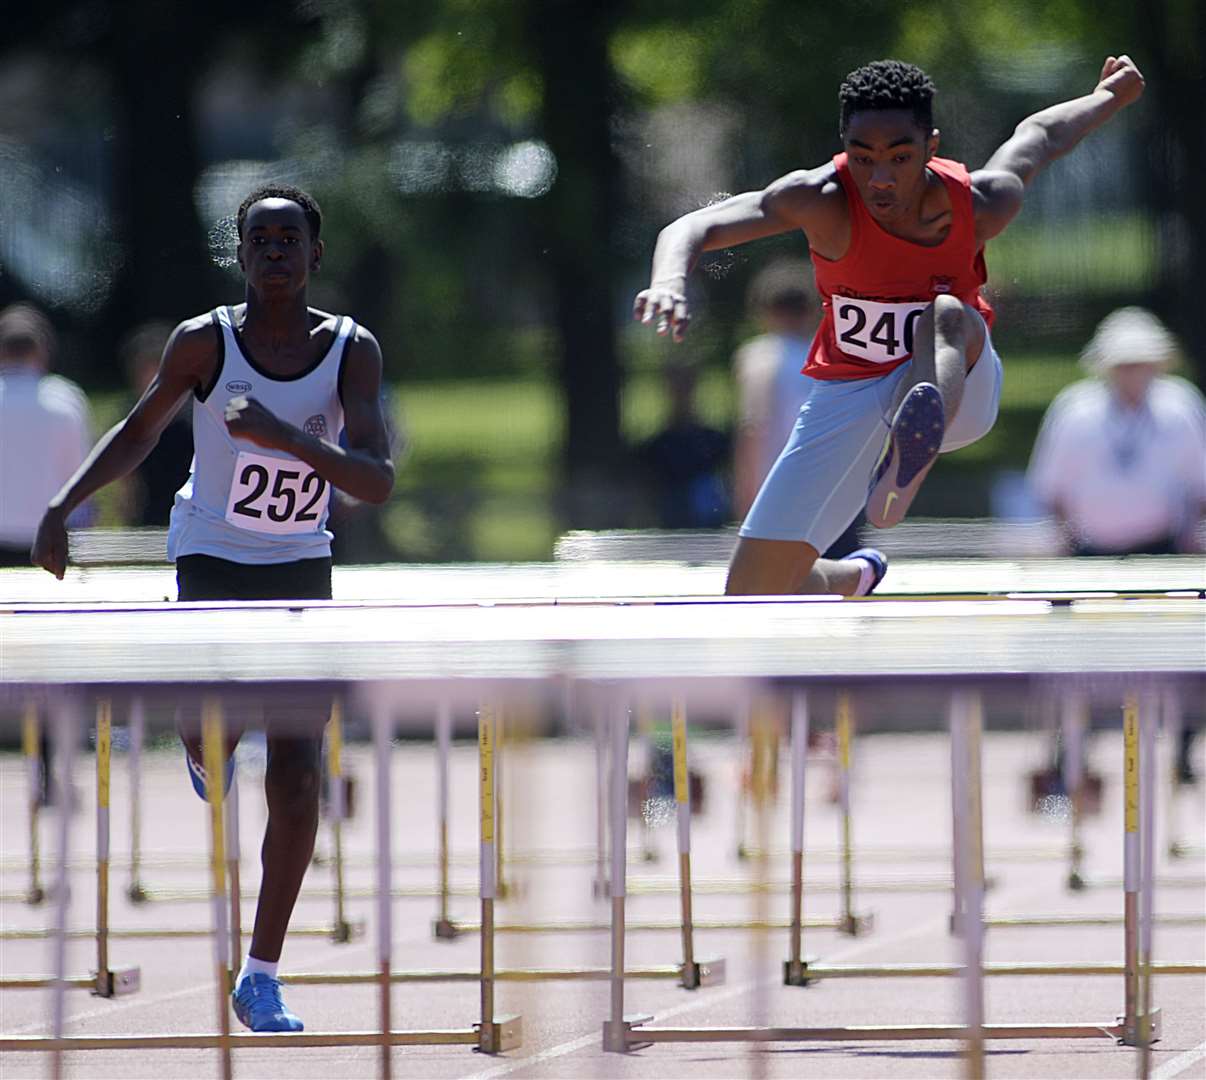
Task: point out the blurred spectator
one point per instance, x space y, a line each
1120 459
771 386
686 462
154 484
45 429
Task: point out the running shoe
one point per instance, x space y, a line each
257 1004
879 565
910 450
196 773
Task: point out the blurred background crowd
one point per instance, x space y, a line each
493 174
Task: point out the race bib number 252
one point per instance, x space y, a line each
281 496
872 331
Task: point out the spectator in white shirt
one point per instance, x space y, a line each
1120 460
45 428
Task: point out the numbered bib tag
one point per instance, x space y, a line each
881 333
282 496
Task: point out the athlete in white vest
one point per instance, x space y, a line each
272 382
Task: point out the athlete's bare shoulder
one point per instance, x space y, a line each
815 201
192 350
802 192
996 199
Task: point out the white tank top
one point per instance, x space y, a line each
243 502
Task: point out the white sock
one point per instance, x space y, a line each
866 577
253 966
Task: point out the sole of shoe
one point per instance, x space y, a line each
914 442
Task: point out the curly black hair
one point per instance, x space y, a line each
887 84
283 191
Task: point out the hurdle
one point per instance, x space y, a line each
30 747
104 981
1137 1026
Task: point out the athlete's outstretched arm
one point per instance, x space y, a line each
1044 136
187 364
364 470
789 203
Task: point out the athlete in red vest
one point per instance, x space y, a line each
903 365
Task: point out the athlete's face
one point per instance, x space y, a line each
887 150
276 252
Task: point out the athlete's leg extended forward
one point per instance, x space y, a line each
949 339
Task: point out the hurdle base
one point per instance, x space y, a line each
600 889
499 1036
117 983
35 896
136 894
1076 882
701 973
617 1038
856 923
1129 1035
445 929
795 972
343 932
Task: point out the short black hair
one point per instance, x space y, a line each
887 84
781 286
303 199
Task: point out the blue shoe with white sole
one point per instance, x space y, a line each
258 1005
879 565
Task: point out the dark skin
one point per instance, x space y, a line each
887 152
285 336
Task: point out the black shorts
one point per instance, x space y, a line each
204 577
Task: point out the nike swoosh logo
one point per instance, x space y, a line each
889 501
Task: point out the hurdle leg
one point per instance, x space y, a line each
134 890
1173 722
794 967
764 736
1147 870
599 885
494 1034
742 732
616 1028
341 930
234 855
851 923
30 739
1131 867
501 886
63 733
104 747
966 723
1074 719
382 732
444 927
682 799
213 746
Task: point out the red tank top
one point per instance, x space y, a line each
873 294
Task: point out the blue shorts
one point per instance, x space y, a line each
819 483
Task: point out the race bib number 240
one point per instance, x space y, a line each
872 331
282 496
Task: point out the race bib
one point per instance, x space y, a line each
282 496
880 333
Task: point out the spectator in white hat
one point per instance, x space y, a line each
1120 460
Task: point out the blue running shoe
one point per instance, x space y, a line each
257 1004
910 450
879 565
196 773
